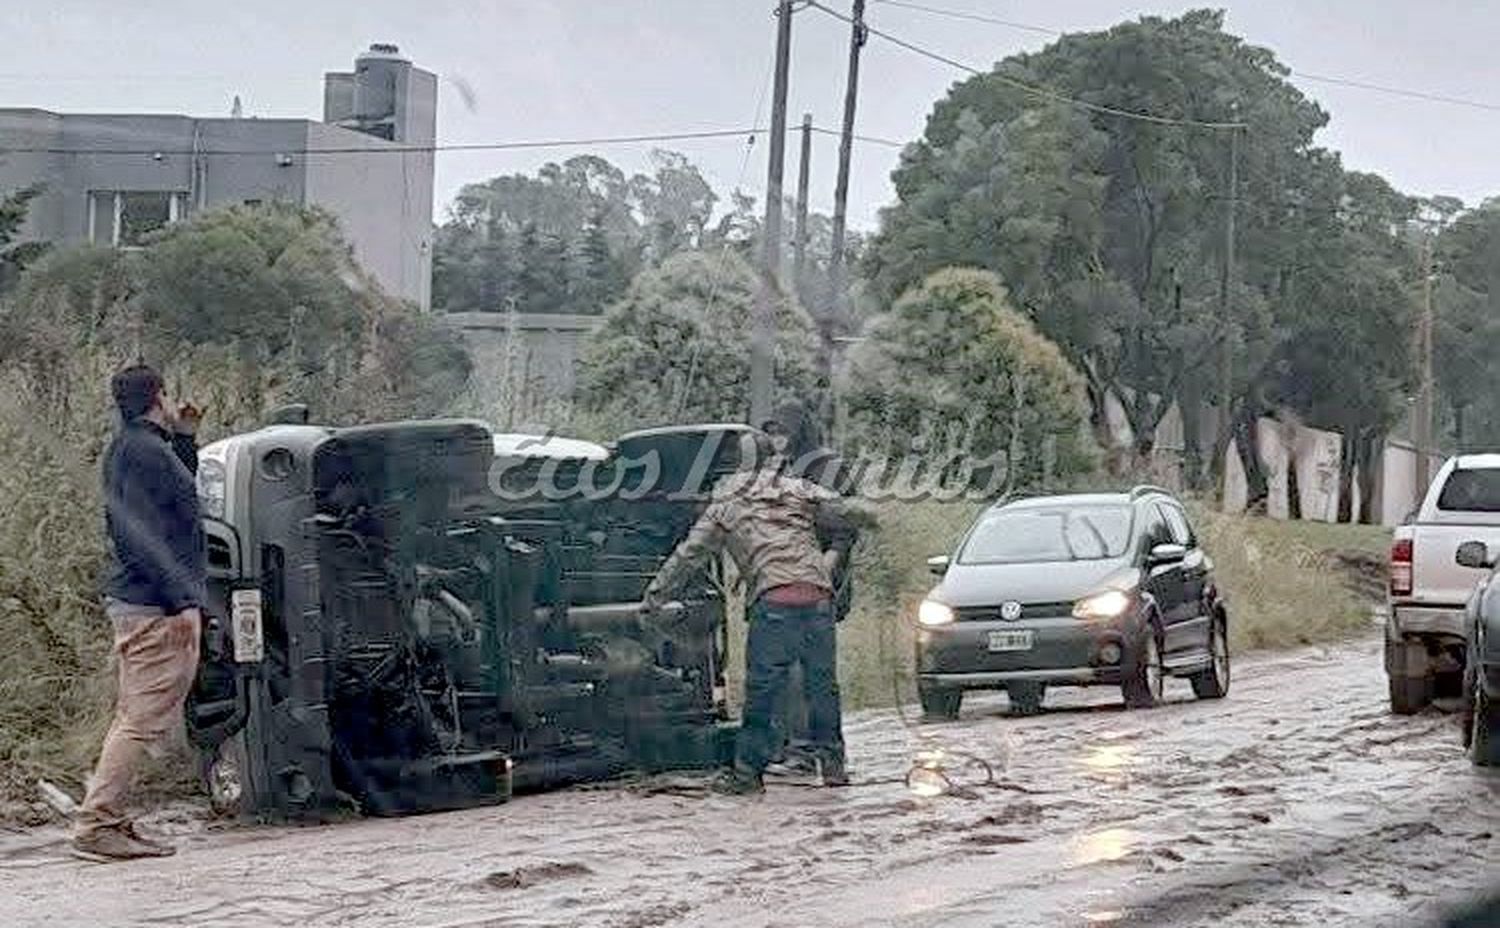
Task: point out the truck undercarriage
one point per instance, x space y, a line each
429 645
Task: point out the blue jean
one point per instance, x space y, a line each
781 636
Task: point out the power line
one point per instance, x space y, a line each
971 17
403 149
1305 75
871 139
399 149
1398 91
1032 89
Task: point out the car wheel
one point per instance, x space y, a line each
1484 732
1213 683
940 703
1144 676
1026 698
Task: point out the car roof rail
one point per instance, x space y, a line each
1147 489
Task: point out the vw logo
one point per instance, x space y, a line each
1010 611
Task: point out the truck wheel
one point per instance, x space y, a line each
1410 692
1410 695
1144 676
1026 698
1484 734
940 703
1213 683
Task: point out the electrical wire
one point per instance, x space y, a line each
970 17
397 148
1034 90
400 149
1305 75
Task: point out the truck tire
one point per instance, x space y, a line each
940 703
1410 695
1026 698
1144 674
1484 736
1213 683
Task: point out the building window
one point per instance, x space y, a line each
125 217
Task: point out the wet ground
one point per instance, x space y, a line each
1296 801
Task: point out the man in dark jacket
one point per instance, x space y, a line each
153 597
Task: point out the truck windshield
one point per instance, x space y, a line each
1073 533
1471 491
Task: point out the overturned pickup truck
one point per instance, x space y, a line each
419 615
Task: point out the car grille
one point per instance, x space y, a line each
1028 611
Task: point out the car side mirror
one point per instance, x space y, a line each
1166 554
1473 554
938 565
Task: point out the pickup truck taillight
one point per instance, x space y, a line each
1401 552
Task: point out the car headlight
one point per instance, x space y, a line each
934 613
1111 604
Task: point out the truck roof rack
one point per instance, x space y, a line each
1147 489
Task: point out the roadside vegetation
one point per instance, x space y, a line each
245 310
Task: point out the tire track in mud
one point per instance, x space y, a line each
1295 801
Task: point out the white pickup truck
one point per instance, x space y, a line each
1426 624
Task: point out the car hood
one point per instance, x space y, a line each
1048 582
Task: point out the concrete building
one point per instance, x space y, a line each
112 179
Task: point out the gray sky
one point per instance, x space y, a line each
571 68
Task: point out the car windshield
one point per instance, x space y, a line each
1063 533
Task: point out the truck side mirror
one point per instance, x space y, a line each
937 565
1473 554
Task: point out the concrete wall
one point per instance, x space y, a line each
1284 445
383 198
525 364
33 129
1397 493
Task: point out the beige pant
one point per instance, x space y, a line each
156 659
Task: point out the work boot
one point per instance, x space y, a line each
106 845
130 829
736 782
831 770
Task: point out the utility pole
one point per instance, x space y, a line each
857 38
1423 425
763 341
1226 314
799 237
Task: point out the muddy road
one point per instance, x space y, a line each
1296 801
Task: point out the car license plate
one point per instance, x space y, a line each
1010 641
249 633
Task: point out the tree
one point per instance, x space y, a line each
256 307
676 347
15 256
1467 298
986 372
585 206
1105 229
